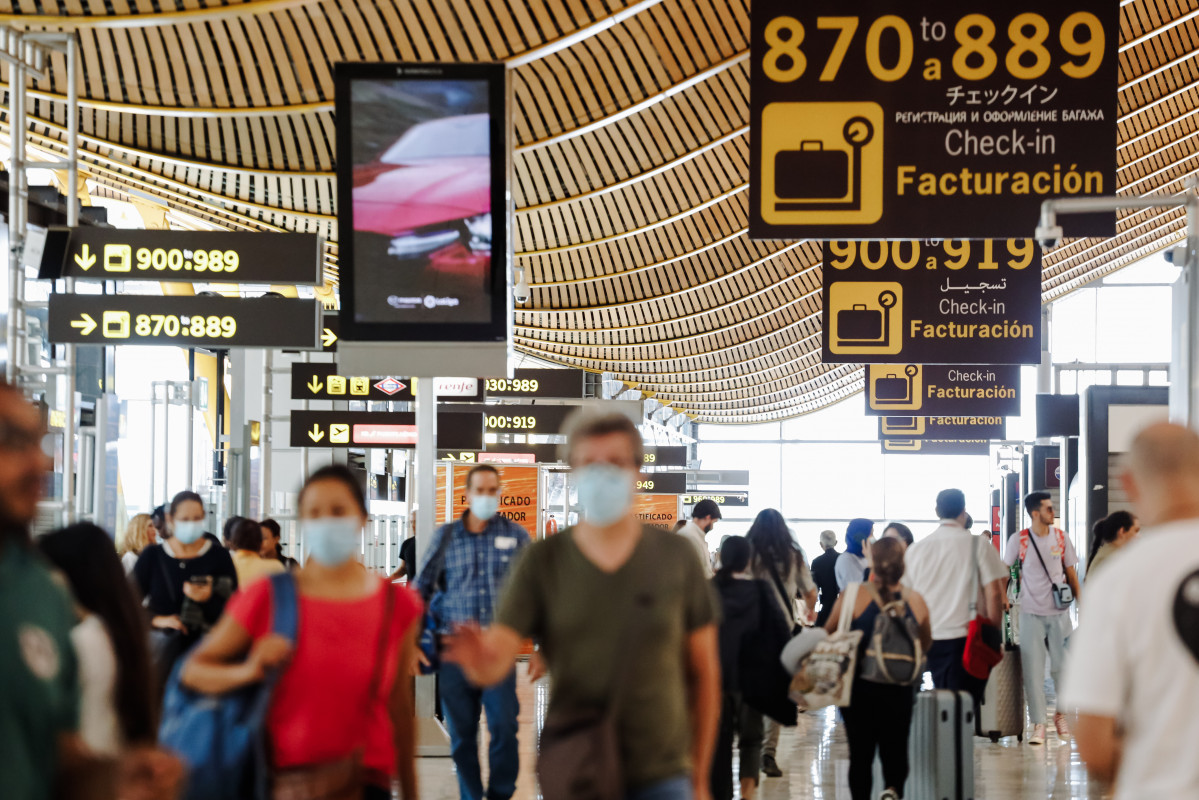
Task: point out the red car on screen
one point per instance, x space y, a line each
430 194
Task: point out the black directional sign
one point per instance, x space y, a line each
665 456
942 427
662 483
381 429
325 381
186 256
942 390
950 302
216 322
734 499
936 447
505 454
534 383
942 118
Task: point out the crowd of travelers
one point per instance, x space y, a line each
664 663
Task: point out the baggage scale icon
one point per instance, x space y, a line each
891 390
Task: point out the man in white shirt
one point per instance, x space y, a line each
1047 559
941 567
1133 671
703 519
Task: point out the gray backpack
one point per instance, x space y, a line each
893 652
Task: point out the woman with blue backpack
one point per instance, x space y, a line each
895 629
334 646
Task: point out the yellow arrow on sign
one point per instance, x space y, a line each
315 386
316 434
86 259
85 323
328 337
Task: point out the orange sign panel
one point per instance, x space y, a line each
660 510
518 494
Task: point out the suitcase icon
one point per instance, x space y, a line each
898 424
892 389
812 173
860 326
814 179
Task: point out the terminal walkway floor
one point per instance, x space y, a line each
814 759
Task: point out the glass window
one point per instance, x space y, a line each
1159 377
912 484
1072 331
845 420
833 481
1133 324
1130 377
762 432
762 461
1154 269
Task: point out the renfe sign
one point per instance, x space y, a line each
943 118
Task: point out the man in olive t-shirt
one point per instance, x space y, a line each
578 593
579 612
39 691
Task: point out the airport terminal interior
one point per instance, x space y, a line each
824 260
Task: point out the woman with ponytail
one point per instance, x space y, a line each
1109 535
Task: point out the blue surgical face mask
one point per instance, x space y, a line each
189 531
332 540
605 493
484 506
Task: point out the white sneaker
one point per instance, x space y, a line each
1038 735
1063 729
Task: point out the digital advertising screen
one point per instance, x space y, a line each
422 194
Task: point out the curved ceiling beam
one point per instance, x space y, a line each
156 19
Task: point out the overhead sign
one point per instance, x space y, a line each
935 119
662 483
665 456
505 454
186 256
535 383
736 499
936 447
396 429
518 495
952 302
323 381
942 390
524 419
183 321
942 427
659 510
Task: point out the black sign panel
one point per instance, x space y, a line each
662 483
186 256
942 427
330 332
942 390
534 383
216 322
952 302
665 456
934 119
732 499
505 454
936 447
523 419
380 429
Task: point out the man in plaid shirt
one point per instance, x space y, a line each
469 560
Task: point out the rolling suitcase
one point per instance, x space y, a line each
1002 710
941 748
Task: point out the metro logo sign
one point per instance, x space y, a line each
390 386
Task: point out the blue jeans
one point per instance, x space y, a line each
1034 631
461 703
676 788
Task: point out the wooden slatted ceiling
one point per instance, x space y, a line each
629 174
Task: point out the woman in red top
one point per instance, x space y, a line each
322 717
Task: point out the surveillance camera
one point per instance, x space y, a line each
1049 236
521 292
1176 256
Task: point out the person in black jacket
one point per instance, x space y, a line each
752 634
741 616
824 572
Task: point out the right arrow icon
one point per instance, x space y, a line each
316 434
86 323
